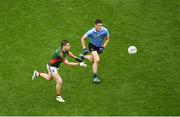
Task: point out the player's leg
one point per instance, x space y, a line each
42 75
58 81
88 57
37 74
96 60
46 76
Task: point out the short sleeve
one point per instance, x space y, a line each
107 32
87 34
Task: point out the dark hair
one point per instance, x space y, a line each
98 21
64 42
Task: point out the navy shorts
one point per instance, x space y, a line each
94 48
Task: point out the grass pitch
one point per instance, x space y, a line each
143 84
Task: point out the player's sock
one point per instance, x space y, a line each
38 74
58 94
94 75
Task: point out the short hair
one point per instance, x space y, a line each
64 42
98 21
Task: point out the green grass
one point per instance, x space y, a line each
143 84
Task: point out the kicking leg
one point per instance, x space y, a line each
88 57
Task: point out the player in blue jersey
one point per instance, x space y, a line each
98 40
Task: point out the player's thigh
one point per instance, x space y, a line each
49 73
95 56
89 57
55 75
53 72
50 77
57 78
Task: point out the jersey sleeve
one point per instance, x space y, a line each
87 34
107 33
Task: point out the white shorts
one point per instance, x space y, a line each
52 70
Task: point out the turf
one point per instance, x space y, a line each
143 84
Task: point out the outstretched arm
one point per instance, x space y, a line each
66 62
82 64
70 54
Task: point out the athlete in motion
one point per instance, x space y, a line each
96 46
54 64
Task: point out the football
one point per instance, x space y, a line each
132 50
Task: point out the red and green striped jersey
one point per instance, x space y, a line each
57 58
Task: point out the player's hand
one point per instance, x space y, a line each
82 64
85 51
101 49
78 59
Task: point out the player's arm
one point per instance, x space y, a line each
106 42
70 54
82 64
66 62
107 38
83 41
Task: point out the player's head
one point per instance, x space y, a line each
65 44
98 24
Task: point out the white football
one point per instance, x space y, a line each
132 50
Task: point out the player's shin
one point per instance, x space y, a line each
95 67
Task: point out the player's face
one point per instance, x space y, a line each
67 46
98 26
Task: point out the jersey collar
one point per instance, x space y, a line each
99 31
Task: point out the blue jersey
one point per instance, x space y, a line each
96 38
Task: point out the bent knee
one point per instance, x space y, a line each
49 78
97 60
